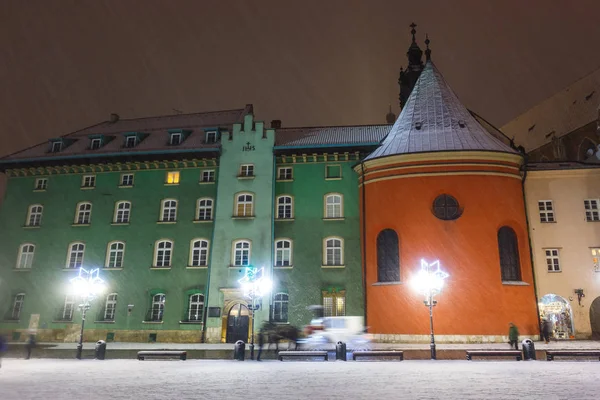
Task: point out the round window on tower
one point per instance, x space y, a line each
446 207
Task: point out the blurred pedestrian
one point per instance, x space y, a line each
513 336
30 345
3 348
261 342
547 329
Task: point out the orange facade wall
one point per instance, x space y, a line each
474 300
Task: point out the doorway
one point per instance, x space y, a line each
237 323
595 318
558 311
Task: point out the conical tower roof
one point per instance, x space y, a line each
435 120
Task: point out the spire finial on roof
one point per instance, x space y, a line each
413 31
427 50
390 118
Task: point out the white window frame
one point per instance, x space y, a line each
131 141
283 255
26 255
207 176
592 210
553 260
56 147
246 170
112 254
74 254
122 213
546 209
17 307
125 181
330 261
69 300
41 184
173 178
200 246
282 174
332 208
110 307
92 144
195 301
83 213
278 302
34 215
163 250
158 307
338 304
172 140
242 250
204 209
88 181
283 206
248 205
170 210
208 135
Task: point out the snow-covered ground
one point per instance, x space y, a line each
217 379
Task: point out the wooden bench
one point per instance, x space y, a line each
161 354
550 354
495 353
378 353
303 354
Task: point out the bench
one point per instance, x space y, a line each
495 353
378 353
303 354
550 354
160 354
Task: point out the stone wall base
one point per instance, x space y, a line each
71 335
392 338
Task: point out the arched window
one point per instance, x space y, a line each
334 206
388 256
199 253
244 205
162 254
195 307
241 253
168 210
17 306
116 252
110 307
84 213
284 207
26 252
158 307
333 252
280 307
34 215
122 212
283 253
508 248
75 259
205 207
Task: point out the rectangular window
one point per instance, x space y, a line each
173 178
88 181
207 176
211 137
175 139
130 141
334 304
18 306
546 211
333 172
110 307
284 174
67 311
596 259
280 308
591 210
552 260
126 180
95 144
169 211
41 184
242 254
247 170
56 147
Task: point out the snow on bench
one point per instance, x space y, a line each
303 354
142 355
550 354
495 353
378 353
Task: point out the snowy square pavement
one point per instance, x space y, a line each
220 379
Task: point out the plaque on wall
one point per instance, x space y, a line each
214 312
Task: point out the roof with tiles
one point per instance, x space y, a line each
331 136
435 120
155 130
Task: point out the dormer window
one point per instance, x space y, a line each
56 147
130 141
211 137
95 144
175 139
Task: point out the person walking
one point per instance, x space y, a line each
3 348
261 342
30 345
546 329
513 336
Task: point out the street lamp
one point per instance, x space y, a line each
429 281
86 285
255 285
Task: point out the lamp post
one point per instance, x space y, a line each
255 285
87 285
429 281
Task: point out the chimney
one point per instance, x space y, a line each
114 118
276 124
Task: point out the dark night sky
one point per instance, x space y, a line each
65 64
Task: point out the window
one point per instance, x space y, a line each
122 212
334 303
552 260
333 206
591 210
445 207
95 144
168 211
388 256
546 211
283 253
280 307
34 216
162 254
333 253
244 205
158 307
596 259
284 173
284 207
204 210
211 137
88 181
175 139
130 141
110 307
508 247
208 176
41 184
67 311
199 253
56 147
25 259
84 213
116 252
76 251
195 307
173 178
247 170
333 172
126 180
17 306
241 253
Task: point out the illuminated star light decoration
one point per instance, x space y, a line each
88 284
254 283
430 279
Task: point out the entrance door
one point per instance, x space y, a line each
595 318
237 323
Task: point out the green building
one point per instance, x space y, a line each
171 210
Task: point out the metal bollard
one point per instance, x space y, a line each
239 349
100 350
528 350
340 351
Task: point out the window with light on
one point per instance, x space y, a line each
173 177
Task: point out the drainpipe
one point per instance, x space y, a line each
210 258
364 241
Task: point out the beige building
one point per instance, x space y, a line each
563 204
